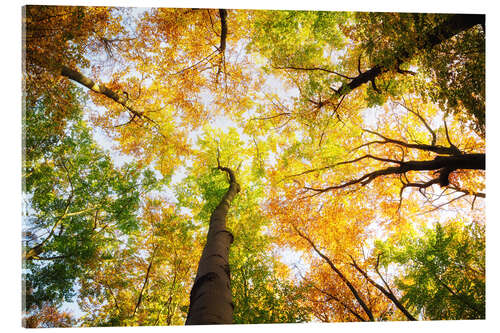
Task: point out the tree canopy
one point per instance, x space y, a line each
277 166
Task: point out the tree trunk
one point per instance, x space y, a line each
452 26
211 300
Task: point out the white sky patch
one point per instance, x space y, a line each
293 259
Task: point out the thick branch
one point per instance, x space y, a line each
121 99
98 88
445 165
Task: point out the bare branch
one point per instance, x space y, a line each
272 117
298 68
367 156
448 137
380 275
338 272
445 164
475 194
146 279
207 58
433 148
433 134
387 294
328 121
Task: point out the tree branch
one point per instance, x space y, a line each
338 300
387 294
338 272
145 281
452 150
445 165
300 68
433 134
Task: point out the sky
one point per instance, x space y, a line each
10 132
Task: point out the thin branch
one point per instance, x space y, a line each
388 294
112 295
338 300
145 281
359 64
448 137
272 117
298 68
328 121
367 156
475 194
380 275
459 297
338 272
208 57
452 150
37 249
433 134
446 203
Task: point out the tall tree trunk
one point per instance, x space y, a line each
211 299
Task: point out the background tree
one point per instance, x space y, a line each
146 280
327 60
76 203
443 272
49 317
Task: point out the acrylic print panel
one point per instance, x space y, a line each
227 166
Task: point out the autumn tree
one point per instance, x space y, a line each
328 55
147 277
390 159
337 129
326 84
55 36
48 317
75 202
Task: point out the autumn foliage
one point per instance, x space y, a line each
277 166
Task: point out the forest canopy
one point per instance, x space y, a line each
218 166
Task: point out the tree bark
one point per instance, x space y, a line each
452 26
211 299
98 88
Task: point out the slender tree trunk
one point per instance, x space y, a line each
211 299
